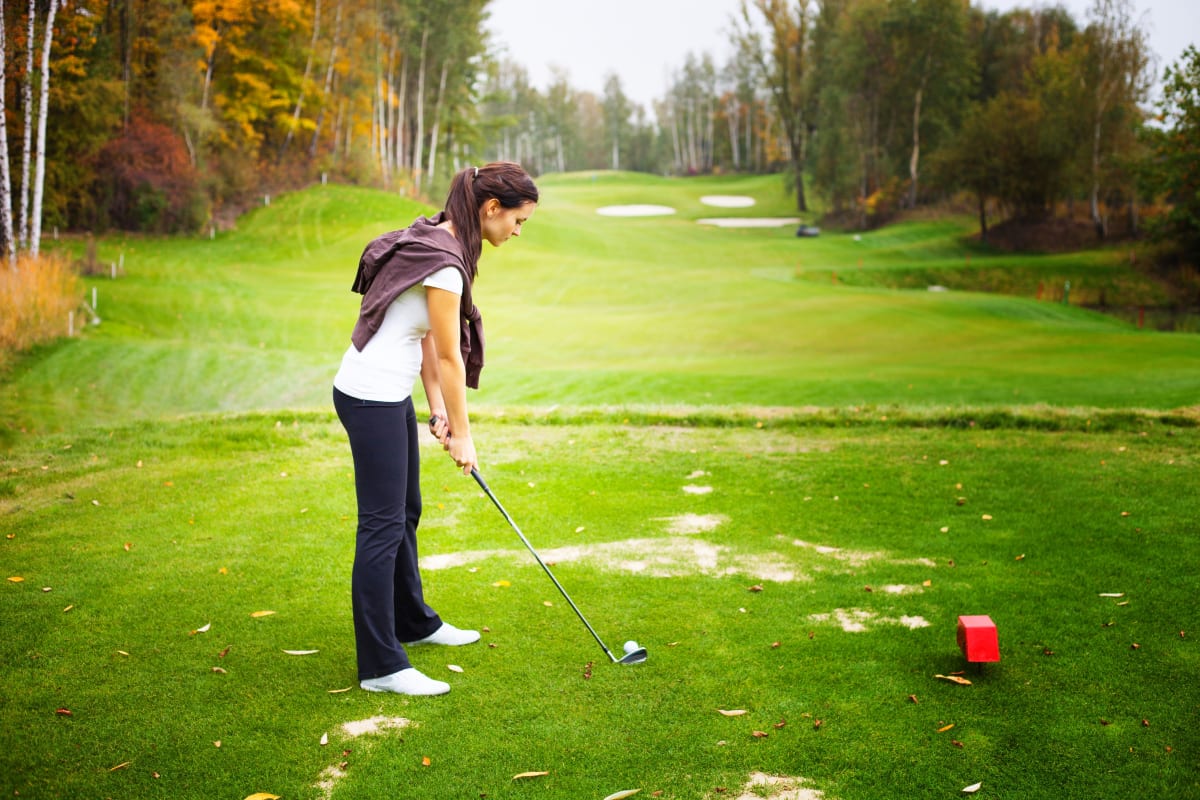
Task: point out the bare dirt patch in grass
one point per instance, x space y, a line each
761 786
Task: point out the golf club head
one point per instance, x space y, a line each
634 657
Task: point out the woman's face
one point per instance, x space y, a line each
498 223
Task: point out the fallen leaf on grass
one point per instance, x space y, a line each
760 734
782 723
340 691
502 584
122 765
63 712
954 679
68 608
913 698
301 652
733 713
956 743
257 614
324 739
973 788
1112 594
454 668
202 629
425 762
224 652
220 671
945 728
758 587
263 796
522 775
622 794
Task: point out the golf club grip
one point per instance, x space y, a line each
479 479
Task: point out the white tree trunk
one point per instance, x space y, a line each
915 159
401 150
7 246
328 86
39 180
418 140
437 119
308 65
27 109
733 115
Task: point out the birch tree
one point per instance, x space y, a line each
308 66
27 113
783 62
931 63
7 245
1119 78
39 179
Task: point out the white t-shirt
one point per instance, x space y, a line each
388 366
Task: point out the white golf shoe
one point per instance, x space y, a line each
407 681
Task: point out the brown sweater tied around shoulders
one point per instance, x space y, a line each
395 262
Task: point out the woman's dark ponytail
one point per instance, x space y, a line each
506 181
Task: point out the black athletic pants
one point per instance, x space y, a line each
389 606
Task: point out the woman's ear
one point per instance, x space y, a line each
491 207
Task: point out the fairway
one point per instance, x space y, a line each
785 488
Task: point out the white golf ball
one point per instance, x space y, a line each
630 646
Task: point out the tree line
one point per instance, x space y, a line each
171 116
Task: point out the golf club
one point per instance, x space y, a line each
633 653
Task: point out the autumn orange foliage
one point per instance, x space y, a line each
36 298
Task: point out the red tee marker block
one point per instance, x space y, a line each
977 639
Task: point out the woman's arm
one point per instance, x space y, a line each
444 327
438 425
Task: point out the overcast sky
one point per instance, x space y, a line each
645 41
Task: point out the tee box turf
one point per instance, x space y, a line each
977 639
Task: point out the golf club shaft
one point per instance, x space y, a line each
483 485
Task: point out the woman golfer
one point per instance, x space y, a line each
417 318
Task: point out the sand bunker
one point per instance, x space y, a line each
774 787
727 200
635 211
749 222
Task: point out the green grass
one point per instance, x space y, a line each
228 516
590 311
179 466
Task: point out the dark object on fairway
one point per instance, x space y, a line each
808 231
636 656
977 639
